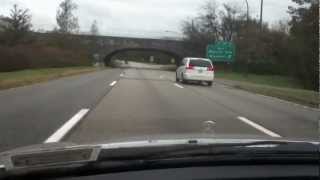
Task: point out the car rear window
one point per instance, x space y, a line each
200 63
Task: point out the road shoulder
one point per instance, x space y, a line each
9 80
296 97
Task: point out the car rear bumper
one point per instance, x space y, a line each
198 77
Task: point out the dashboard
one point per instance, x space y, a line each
219 172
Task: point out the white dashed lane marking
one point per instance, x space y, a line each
259 127
63 130
113 83
178 85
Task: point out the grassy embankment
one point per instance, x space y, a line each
276 86
27 77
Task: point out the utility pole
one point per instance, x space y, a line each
247 12
261 15
192 24
247 36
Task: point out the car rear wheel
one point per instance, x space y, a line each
182 79
209 83
177 79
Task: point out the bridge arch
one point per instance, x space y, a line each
108 57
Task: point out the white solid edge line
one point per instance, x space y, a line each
63 130
260 128
113 83
178 85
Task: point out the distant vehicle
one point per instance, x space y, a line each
195 69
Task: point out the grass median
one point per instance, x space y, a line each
32 76
276 86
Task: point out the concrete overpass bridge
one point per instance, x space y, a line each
105 47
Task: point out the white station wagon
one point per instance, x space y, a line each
195 69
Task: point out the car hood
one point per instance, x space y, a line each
55 153
157 140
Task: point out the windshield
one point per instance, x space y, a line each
85 72
199 63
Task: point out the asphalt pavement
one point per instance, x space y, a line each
124 103
30 114
148 102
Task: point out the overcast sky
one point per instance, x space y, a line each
137 17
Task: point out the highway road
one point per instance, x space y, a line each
30 114
125 103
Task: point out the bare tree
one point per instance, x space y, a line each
20 19
18 25
282 26
195 37
203 29
66 21
215 24
210 20
94 30
231 18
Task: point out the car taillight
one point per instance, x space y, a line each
190 67
211 68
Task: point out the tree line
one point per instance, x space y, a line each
287 48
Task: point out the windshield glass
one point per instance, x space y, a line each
199 63
95 72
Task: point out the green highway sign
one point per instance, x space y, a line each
221 52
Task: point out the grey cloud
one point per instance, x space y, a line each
135 17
